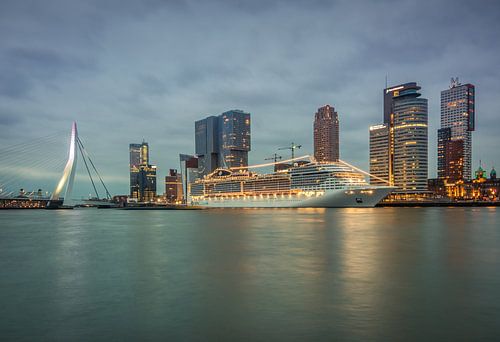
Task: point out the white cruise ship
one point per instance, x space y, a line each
316 185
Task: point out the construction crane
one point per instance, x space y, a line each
275 157
292 147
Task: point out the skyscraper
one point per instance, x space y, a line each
207 143
135 161
223 141
135 154
379 154
142 174
410 166
398 148
455 135
450 156
326 134
147 183
234 138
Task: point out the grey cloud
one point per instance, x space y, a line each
13 84
43 64
128 70
152 85
42 59
9 119
21 69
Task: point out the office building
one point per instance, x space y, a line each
147 183
135 154
326 135
455 135
234 128
173 187
410 164
398 147
142 174
135 151
379 154
222 141
450 156
207 143
391 93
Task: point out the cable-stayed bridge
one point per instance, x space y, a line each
40 173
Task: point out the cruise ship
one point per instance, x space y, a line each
304 185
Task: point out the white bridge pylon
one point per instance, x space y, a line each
69 171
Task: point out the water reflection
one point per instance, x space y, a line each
305 274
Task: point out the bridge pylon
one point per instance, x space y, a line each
68 175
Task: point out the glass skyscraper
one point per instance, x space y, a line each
222 141
207 144
410 166
234 128
398 148
379 154
142 174
135 152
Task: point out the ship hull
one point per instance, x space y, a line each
344 198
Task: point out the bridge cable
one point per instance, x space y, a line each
108 195
32 143
87 167
9 179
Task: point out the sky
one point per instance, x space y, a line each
128 71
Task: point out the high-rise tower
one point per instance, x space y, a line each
223 141
410 166
135 151
398 148
207 144
142 174
234 133
135 155
455 135
379 155
326 134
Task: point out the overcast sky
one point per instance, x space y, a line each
133 70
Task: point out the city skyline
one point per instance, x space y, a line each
261 170
104 75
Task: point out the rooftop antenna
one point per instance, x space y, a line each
454 82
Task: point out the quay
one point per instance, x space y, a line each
439 204
33 203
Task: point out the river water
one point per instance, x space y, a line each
256 274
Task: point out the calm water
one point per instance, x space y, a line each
308 274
